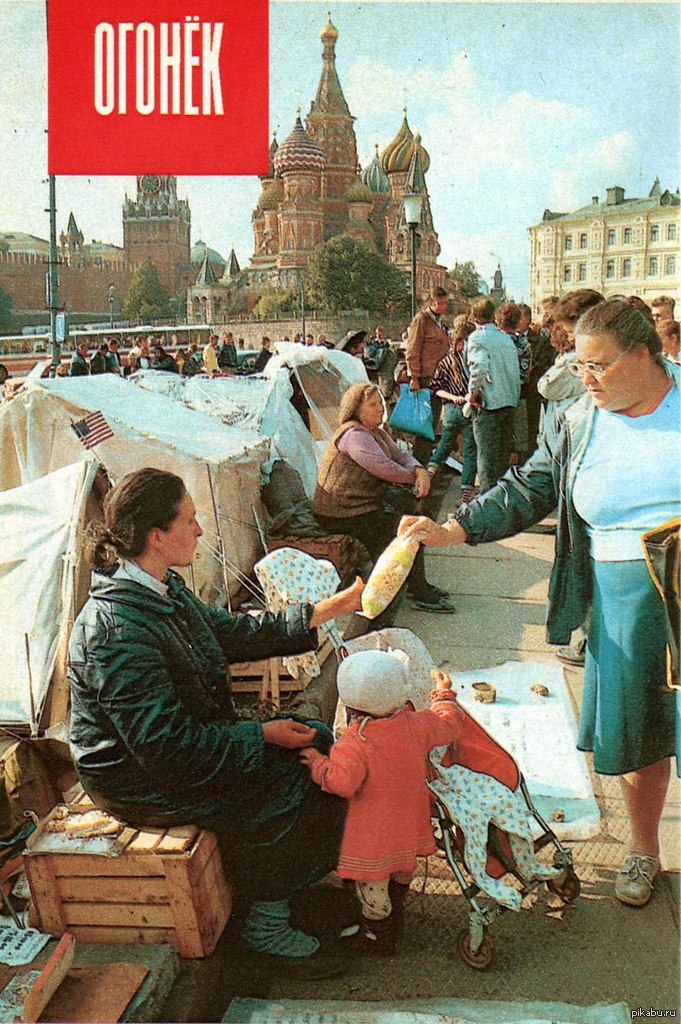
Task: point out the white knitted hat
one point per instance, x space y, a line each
374 681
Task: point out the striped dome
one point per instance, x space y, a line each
298 153
375 177
397 154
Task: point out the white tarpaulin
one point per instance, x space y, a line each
424 1011
39 526
324 376
220 465
541 734
250 402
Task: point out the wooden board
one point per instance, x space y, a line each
96 994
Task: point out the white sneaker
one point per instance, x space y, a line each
635 879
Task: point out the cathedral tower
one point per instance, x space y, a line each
157 227
330 125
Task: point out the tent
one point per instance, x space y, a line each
323 375
251 403
220 465
42 585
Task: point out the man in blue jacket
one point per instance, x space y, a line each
494 392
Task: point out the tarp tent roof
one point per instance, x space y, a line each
251 403
40 525
324 376
220 465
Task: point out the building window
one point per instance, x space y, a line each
655 233
610 268
626 268
653 266
583 240
671 265
581 272
538 248
568 243
628 234
611 236
671 232
567 274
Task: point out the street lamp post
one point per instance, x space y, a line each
53 281
112 292
413 204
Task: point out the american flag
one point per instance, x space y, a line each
92 430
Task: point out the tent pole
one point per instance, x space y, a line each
221 546
34 728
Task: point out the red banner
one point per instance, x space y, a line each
158 87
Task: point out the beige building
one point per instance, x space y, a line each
619 247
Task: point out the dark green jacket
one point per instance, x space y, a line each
525 495
154 734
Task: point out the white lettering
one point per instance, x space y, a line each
170 60
166 59
104 77
212 87
145 97
191 61
123 29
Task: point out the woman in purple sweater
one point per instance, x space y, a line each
361 466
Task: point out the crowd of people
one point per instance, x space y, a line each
579 414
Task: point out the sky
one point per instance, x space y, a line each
521 106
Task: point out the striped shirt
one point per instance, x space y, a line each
451 374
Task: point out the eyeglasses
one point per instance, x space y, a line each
596 370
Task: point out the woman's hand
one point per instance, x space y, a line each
285 733
309 756
429 533
422 482
345 601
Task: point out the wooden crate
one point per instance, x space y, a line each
162 886
268 678
338 548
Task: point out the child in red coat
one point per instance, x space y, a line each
380 766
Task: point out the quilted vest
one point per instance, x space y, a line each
343 487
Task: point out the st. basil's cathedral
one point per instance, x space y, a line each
315 190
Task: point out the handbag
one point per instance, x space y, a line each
413 413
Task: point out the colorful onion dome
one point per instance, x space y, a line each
397 154
358 192
329 31
298 152
271 196
374 176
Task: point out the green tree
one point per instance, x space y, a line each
273 303
147 298
5 306
467 280
346 274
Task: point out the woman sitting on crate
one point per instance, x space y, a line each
360 464
613 472
154 733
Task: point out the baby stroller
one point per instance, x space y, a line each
482 810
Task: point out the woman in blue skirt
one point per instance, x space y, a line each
614 472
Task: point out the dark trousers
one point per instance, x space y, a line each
493 432
375 530
423 446
454 421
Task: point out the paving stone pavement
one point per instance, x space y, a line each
595 950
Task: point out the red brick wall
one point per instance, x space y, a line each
84 288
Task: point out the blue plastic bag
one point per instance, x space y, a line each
413 413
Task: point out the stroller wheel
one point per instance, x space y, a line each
481 960
566 885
